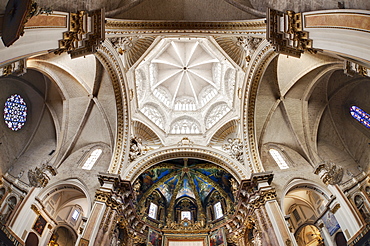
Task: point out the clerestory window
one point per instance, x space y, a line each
94 156
279 159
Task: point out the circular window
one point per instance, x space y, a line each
15 112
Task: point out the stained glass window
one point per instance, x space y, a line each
218 210
279 159
15 112
360 115
92 159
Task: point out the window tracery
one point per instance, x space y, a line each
185 104
15 112
230 77
215 114
154 115
162 96
207 94
140 79
185 126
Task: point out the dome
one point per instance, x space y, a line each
185 77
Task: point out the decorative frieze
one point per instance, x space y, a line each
136 148
234 147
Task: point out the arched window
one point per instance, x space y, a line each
215 205
279 159
75 215
361 206
156 206
153 209
360 115
94 156
218 210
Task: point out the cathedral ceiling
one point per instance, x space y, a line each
193 9
185 86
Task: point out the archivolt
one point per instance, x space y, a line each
217 157
114 67
257 66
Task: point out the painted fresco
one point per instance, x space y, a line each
168 187
152 176
330 222
218 175
185 190
154 238
194 177
202 187
217 238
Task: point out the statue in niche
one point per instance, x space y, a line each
234 187
136 188
332 173
234 147
136 148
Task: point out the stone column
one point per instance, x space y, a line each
345 213
265 211
95 218
102 214
325 234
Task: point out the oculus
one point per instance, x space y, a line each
15 112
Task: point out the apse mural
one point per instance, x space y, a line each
218 175
152 176
168 188
185 190
202 187
183 178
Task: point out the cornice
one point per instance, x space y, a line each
115 26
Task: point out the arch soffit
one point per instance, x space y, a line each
225 130
235 168
64 185
260 60
68 227
111 62
47 68
301 74
297 183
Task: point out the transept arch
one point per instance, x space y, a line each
238 170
